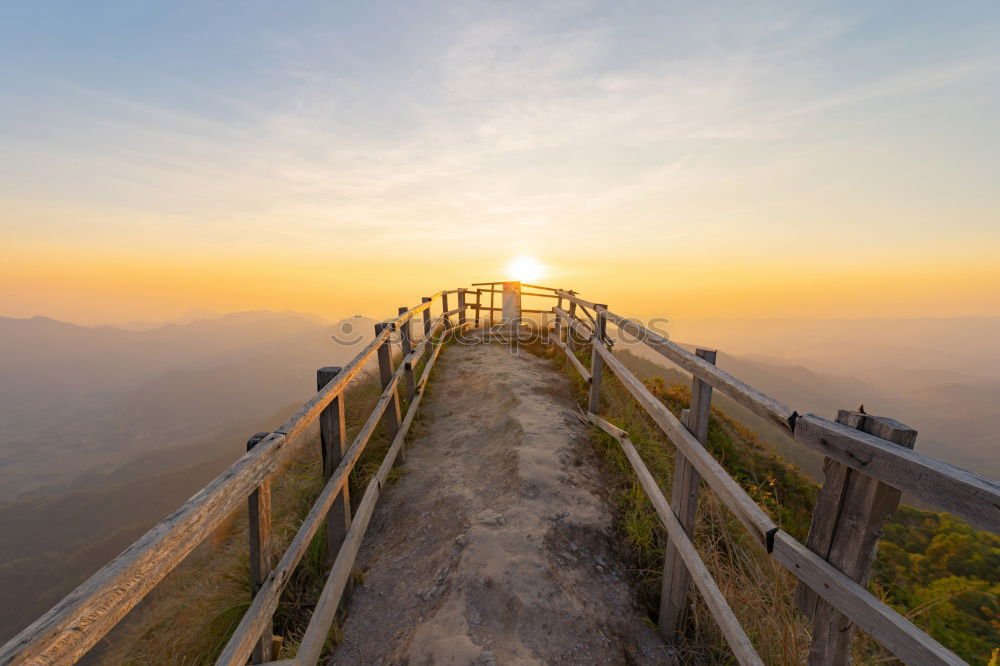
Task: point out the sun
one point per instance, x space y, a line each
525 269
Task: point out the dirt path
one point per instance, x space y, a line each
494 545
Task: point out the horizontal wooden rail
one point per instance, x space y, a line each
735 636
523 284
523 293
575 323
311 647
892 630
754 400
418 350
486 308
971 497
758 523
77 622
67 631
573 359
573 298
266 600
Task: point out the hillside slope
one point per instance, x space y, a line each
934 569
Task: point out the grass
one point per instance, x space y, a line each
931 567
758 590
191 614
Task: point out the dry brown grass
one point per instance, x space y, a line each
759 591
191 614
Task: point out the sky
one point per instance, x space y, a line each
676 159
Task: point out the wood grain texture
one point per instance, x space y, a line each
385 370
577 332
597 362
311 646
427 318
754 400
573 360
735 636
406 344
573 298
892 630
260 551
461 307
67 631
859 506
265 602
758 523
684 500
333 442
969 496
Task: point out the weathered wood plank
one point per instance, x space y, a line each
523 293
597 361
758 523
406 344
386 372
574 325
427 320
837 509
573 359
333 440
261 552
847 523
684 500
754 400
972 498
892 630
735 636
324 614
68 630
266 601
485 309
573 298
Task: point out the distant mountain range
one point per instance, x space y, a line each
104 431
956 414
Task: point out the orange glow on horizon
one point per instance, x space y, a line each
93 288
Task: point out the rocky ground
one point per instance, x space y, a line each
494 545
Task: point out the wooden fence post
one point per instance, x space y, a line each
407 345
557 326
391 418
444 310
261 561
333 440
847 521
570 342
479 294
427 322
596 360
684 503
461 305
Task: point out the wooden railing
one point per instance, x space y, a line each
74 625
869 461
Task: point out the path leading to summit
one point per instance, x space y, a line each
494 545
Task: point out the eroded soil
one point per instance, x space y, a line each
494 546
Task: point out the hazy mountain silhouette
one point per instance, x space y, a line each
956 414
104 431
